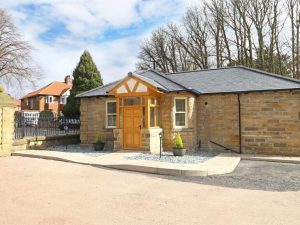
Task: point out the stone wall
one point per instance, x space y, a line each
7 109
43 142
93 121
189 134
218 121
150 140
270 122
118 139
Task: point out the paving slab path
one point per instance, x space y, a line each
220 164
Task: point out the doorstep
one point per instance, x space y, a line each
221 164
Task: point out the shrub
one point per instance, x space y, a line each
178 141
99 139
47 113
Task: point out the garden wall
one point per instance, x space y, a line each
43 142
7 109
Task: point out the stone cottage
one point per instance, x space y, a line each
236 108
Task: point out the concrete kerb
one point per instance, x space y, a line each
221 164
271 158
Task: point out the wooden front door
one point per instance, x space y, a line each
132 127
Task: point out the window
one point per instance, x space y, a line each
154 112
180 117
152 117
63 100
111 114
31 103
49 99
132 101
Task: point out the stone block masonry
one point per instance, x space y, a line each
93 121
7 110
189 133
270 122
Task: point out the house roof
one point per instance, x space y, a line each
233 79
211 81
55 88
99 91
17 102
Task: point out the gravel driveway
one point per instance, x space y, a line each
255 175
38 192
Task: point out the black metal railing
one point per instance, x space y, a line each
31 124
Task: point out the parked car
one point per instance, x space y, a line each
28 118
31 122
69 124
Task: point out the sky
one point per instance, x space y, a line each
111 30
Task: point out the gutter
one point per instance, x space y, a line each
250 91
240 124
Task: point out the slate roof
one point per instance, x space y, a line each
211 81
152 77
163 80
99 91
55 88
233 79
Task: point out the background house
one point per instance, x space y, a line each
17 103
50 97
237 108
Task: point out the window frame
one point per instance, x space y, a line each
110 114
65 100
31 103
154 106
47 99
185 113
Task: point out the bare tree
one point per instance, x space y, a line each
294 16
197 37
219 33
16 64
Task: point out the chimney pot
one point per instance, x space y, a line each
68 80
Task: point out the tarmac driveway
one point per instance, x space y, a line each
37 191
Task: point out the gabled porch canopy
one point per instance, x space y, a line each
133 85
137 107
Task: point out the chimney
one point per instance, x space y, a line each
68 80
154 64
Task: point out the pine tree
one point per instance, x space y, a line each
86 76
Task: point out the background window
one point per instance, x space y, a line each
63 100
111 114
49 99
180 112
31 103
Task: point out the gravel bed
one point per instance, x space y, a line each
80 150
188 158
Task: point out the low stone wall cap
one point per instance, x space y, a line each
6 100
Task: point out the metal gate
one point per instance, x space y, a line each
28 124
